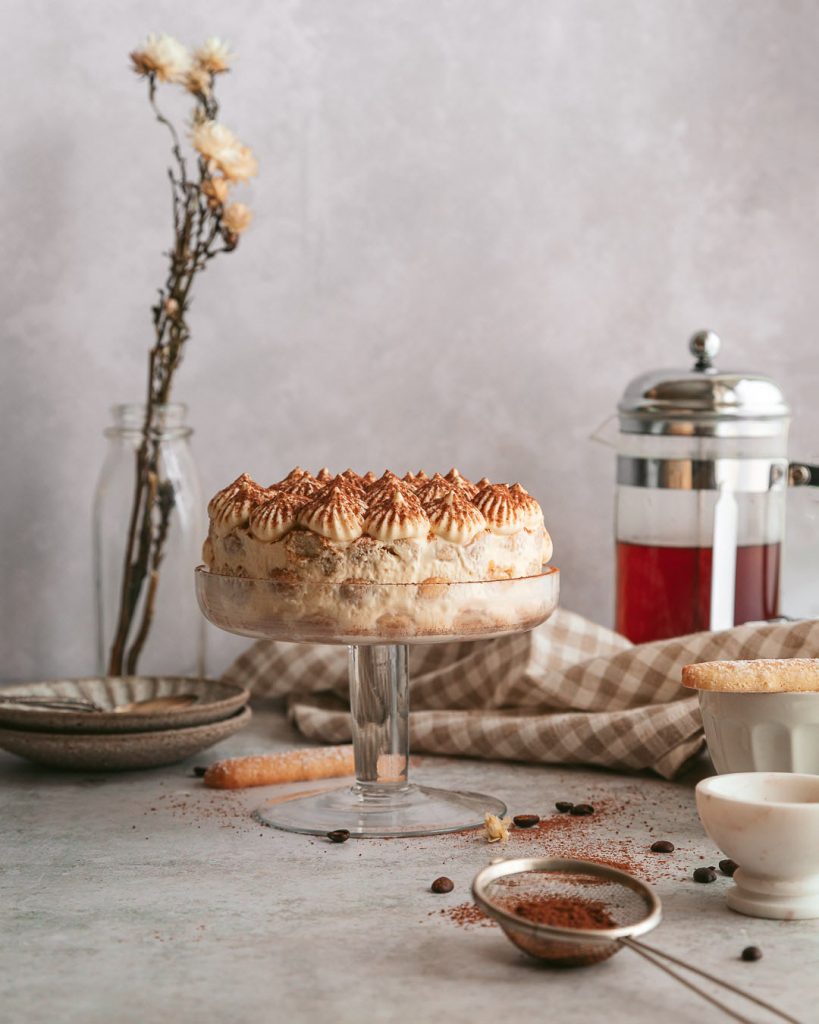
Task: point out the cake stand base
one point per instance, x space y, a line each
382 811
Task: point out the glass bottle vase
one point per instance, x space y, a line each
148 623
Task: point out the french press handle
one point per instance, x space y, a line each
800 474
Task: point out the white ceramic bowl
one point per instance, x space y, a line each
762 732
768 822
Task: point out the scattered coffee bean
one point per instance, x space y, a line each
751 953
662 846
526 820
339 835
728 867
199 770
705 875
580 810
442 884
564 805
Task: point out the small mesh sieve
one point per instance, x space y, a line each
573 913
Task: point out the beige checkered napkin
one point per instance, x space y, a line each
569 692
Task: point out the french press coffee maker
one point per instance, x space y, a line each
702 484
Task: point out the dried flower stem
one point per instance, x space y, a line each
197 226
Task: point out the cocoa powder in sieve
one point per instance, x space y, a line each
565 912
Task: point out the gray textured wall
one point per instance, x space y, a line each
475 220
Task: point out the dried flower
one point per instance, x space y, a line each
236 218
216 191
212 139
162 56
197 81
205 224
214 56
497 829
239 164
220 147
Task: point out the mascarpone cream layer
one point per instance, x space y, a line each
312 557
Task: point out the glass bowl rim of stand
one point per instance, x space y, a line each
334 626
548 570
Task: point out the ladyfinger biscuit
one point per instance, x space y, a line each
765 675
303 765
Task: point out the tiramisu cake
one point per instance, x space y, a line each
324 538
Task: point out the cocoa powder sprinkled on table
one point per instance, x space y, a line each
205 807
612 836
466 915
563 835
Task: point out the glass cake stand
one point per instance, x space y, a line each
377 622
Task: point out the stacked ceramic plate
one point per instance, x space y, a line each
120 722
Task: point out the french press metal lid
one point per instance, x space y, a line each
704 401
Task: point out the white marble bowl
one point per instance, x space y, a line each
761 732
768 822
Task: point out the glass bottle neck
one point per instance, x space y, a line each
168 422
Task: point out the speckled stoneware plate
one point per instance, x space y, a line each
109 752
213 701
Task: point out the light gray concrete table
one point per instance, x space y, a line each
143 897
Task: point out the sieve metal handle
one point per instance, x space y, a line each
656 956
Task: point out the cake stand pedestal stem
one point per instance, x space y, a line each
382 801
379 702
